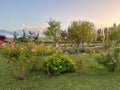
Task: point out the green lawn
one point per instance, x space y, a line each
93 78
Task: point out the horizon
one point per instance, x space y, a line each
16 15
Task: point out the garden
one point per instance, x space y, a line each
31 64
57 71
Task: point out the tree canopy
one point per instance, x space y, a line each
114 34
80 31
53 30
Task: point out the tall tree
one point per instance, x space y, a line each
105 34
15 36
27 37
53 30
80 32
99 35
114 34
23 39
37 39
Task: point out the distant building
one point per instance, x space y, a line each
1 42
4 40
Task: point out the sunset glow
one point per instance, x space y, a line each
14 13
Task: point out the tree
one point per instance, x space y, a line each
105 34
64 36
24 34
114 34
99 35
53 31
15 36
80 32
23 39
31 35
27 37
37 40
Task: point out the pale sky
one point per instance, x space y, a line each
16 14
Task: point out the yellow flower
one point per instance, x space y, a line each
33 50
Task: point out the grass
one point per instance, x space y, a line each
94 78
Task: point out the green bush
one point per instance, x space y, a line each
58 63
109 59
21 56
41 52
24 57
45 50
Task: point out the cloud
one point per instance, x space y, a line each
33 27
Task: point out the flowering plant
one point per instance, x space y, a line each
20 56
109 59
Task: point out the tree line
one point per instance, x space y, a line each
79 32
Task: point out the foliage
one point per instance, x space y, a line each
23 39
58 63
107 45
20 56
37 40
64 36
93 79
110 59
53 31
79 64
105 34
25 56
81 31
27 37
99 37
78 50
45 50
114 34
15 36
74 50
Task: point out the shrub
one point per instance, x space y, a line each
21 57
45 50
109 59
24 57
58 63
41 52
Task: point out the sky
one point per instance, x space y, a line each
18 14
